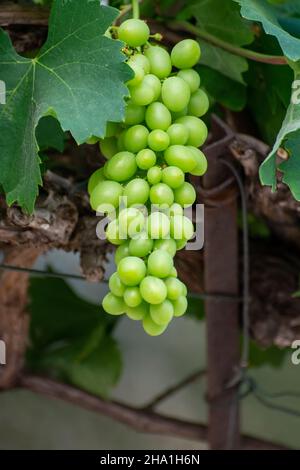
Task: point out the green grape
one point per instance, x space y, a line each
131 222
201 166
180 306
92 140
199 104
174 271
180 156
116 286
134 114
175 209
134 32
140 246
142 94
138 73
158 140
181 228
95 179
168 245
178 134
136 138
160 263
154 82
163 313
172 176
113 305
185 195
161 194
181 244
185 54
175 93
121 145
184 290
139 312
160 61
145 159
142 61
105 196
151 328
191 77
154 175
112 129
132 296
122 252
158 116
153 290
121 166
158 225
174 288
136 192
131 270
113 234
197 130
108 147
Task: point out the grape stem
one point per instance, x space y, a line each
135 9
247 53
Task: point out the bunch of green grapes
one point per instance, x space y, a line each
148 159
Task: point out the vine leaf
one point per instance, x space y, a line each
289 138
78 76
263 12
70 338
223 20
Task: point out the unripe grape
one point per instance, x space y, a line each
185 54
176 209
113 305
163 313
201 166
197 130
175 93
168 245
142 61
140 246
180 306
154 175
134 114
151 328
158 225
122 252
131 270
181 228
116 286
158 140
139 312
174 272
199 104
161 194
191 77
138 74
178 134
154 82
136 192
181 244
145 159
108 147
136 138
160 61
174 288
132 296
105 194
134 32
95 179
121 137
131 222
113 234
160 263
142 94
153 290
173 176
112 129
121 166
180 156
92 140
185 195
158 116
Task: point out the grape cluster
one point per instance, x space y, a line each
148 158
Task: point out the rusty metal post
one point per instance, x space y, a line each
221 276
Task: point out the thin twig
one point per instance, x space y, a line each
174 389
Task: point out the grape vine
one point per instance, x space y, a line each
143 187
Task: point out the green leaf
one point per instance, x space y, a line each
70 339
78 76
288 136
263 12
227 64
49 134
228 93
